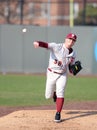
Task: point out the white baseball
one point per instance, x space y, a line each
24 30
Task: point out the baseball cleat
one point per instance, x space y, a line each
57 117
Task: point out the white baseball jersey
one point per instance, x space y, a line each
58 57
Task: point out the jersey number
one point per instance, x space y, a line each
58 62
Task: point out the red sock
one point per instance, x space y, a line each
59 104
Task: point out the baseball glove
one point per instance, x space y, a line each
75 68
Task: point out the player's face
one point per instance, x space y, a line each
70 42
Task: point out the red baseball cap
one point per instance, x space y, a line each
71 36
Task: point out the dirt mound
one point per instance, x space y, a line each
43 120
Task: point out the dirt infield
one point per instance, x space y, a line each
84 117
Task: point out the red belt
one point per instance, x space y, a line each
54 71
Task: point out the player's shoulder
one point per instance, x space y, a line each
54 44
58 47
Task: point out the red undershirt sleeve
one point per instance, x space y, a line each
43 44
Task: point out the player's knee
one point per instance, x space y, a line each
47 96
60 95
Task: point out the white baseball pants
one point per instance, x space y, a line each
55 82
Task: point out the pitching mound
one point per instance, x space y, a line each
43 120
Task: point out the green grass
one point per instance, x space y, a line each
28 90
82 89
22 90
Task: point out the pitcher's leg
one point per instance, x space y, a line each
60 88
50 85
49 91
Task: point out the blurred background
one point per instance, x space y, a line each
48 12
50 21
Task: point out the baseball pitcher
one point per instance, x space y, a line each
62 57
